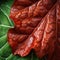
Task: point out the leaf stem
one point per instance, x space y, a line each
6 26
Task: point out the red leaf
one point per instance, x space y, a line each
37 27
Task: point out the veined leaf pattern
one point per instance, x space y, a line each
5 25
36 27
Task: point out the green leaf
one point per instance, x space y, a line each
5 24
3 40
1 58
